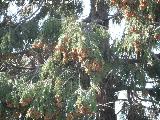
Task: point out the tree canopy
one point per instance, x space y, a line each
55 67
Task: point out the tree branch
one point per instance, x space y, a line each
27 18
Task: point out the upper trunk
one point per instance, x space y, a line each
99 12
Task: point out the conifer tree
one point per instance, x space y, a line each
54 67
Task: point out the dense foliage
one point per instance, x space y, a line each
54 67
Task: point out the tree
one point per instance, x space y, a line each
54 67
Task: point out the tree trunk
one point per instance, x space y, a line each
99 12
106 102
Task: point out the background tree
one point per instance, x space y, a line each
53 67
